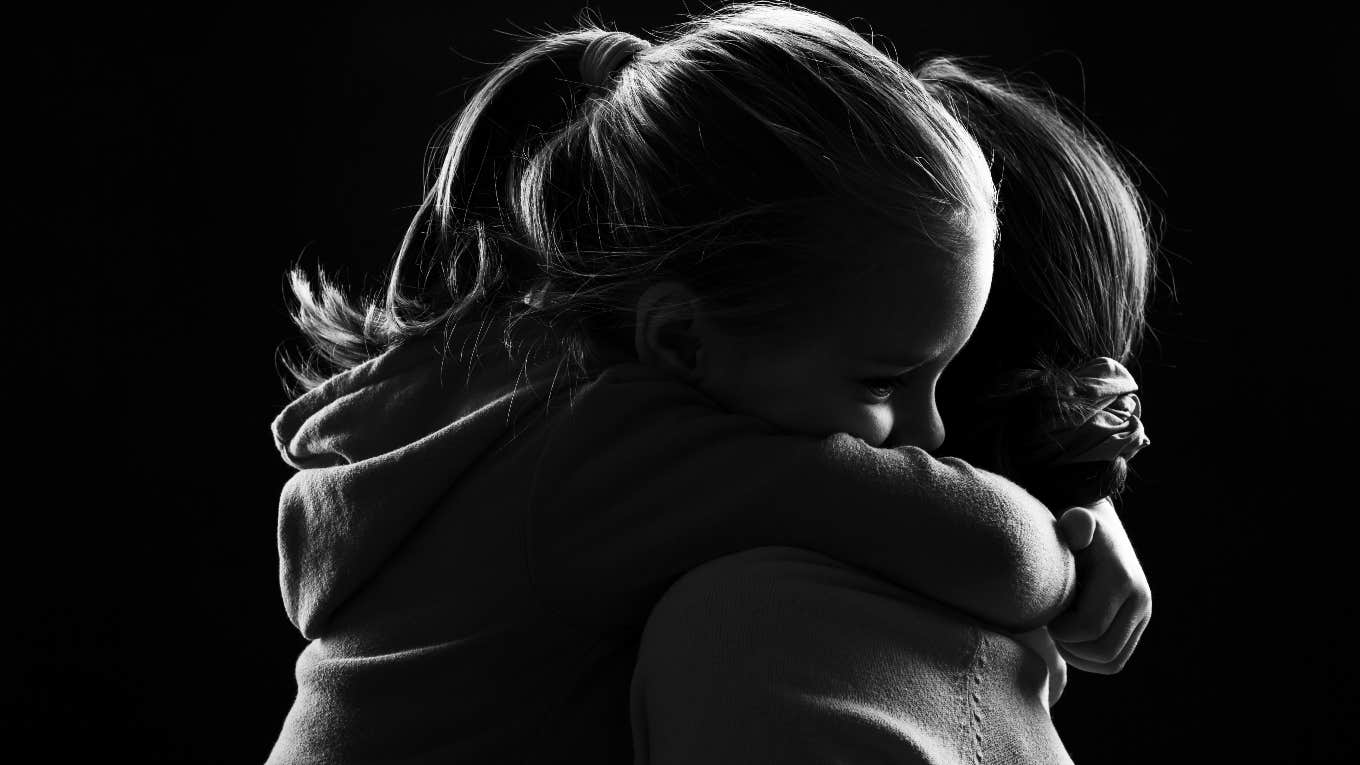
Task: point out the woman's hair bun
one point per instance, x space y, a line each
1064 434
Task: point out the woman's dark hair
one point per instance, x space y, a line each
1074 265
710 158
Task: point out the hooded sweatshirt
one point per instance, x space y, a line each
472 547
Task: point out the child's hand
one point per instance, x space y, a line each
1099 632
1042 643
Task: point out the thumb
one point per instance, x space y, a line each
1057 681
1078 527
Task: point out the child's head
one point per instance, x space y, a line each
864 359
1074 264
763 158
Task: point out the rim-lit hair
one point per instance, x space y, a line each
1073 269
721 157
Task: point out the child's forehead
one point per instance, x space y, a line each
871 240
889 260
910 300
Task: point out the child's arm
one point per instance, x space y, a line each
646 478
1113 602
1111 608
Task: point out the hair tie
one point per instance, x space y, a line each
1109 427
606 54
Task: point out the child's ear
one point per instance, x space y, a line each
666 334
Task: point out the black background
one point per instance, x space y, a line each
173 164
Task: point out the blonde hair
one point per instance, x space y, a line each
1075 263
716 156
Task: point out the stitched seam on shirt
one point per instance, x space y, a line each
973 698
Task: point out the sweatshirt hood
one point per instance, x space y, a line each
377 446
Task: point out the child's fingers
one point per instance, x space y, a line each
1098 604
1057 681
1105 651
1127 653
1113 666
1123 658
1084 665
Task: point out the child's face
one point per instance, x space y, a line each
869 360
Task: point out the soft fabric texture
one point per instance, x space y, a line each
780 656
472 550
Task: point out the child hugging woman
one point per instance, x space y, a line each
663 303
789 656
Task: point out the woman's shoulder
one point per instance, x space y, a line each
769 590
794 650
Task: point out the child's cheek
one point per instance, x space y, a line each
876 425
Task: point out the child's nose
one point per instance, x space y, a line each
933 436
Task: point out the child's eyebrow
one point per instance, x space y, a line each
906 361
909 360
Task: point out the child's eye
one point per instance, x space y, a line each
882 387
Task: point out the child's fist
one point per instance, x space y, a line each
1113 604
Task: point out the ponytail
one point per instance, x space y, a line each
457 253
593 163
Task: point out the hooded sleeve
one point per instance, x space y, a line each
646 478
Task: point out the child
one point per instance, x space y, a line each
650 314
787 656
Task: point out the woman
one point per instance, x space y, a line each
781 655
